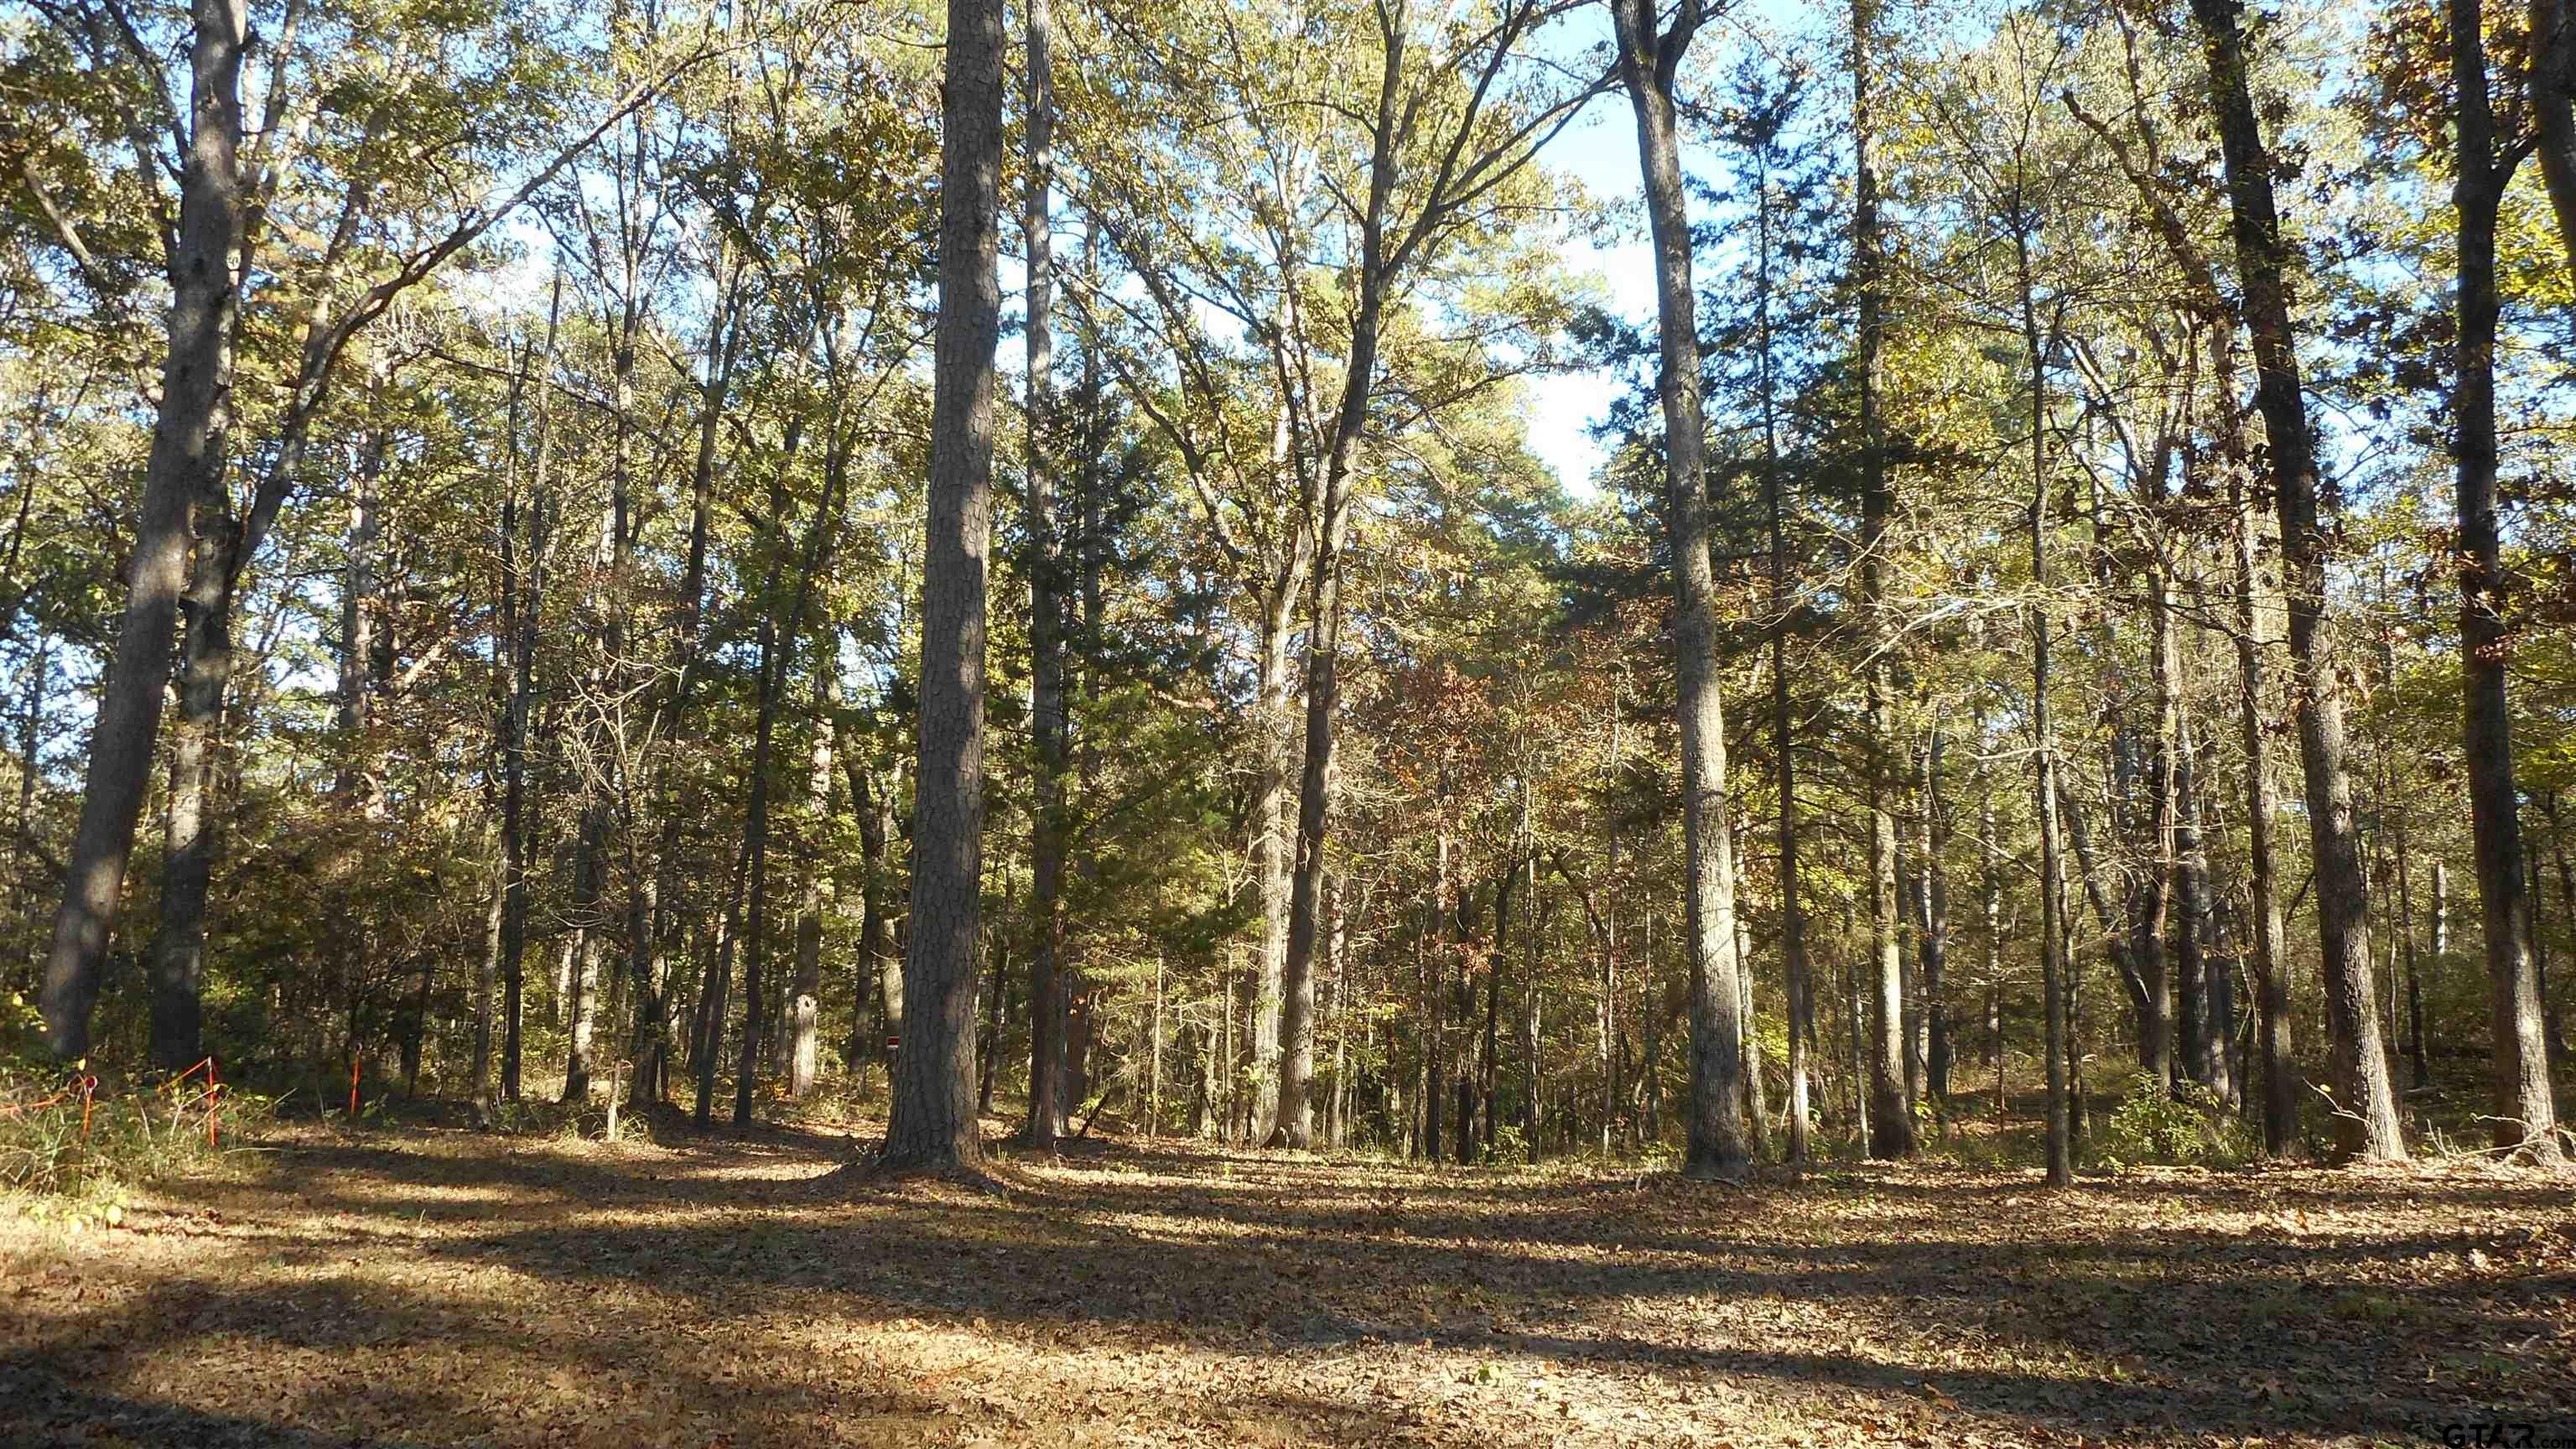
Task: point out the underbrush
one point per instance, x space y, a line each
73 1141
2188 1127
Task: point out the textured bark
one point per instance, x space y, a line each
933 1122
523 575
1717 1146
2202 1039
2059 1138
2149 916
1296 1046
2525 1118
187 870
2280 1068
2552 92
2366 1108
186 465
1048 1024
1891 1118
1793 910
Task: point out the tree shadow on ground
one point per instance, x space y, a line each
2163 1306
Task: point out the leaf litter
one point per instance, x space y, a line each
426 1287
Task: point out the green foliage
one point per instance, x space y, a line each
2189 1127
65 1136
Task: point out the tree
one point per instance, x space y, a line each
2525 1116
1891 1110
1486 132
1649 63
186 468
2552 87
2366 1116
1047 1016
223 183
933 1124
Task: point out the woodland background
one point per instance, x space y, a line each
547 667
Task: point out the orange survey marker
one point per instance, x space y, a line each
85 1085
214 1090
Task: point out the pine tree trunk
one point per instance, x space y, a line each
1296 1047
1717 1146
2524 1114
1890 1114
2280 1068
522 598
933 1125
2054 973
1049 1025
2366 1108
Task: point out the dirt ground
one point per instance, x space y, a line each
416 1287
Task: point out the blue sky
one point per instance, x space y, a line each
1600 151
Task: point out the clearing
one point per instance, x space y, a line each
421 1286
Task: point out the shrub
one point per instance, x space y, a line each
2189 1126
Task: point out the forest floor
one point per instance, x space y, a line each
414 1286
